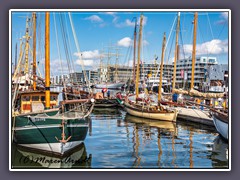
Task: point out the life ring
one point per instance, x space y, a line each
104 89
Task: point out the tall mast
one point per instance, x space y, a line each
47 61
139 54
26 46
194 48
155 65
116 66
161 71
15 66
34 51
18 67
108 68
101 68
134 50
175 54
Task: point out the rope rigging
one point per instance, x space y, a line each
79 52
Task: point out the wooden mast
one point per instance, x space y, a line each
116 66
139 54
15 67
175 54
47 61
27 47
101 69
34 51
194 48
161 70
134 51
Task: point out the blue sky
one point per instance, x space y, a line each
96 31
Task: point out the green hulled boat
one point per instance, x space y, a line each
57 130
39 121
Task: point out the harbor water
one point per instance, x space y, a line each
118 140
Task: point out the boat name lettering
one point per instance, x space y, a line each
35 119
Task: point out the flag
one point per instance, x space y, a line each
182 73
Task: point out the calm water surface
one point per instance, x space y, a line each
118 140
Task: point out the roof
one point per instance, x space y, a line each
35 92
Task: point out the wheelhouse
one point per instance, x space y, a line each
35 101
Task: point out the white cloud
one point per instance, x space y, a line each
58 67
224 15
129 63
87 62
223 18
125 42
215 46
110 13
145 42
94 18
89 58
115 17
89 54
128 22
102 25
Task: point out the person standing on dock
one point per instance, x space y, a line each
108 94
103 91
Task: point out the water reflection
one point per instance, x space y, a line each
119 140
105 113
152 131
25 158
219 153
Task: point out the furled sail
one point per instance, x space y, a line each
194 92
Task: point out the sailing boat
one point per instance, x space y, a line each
192 91
138 105
40 124
221 121
22 79
109 85
187 110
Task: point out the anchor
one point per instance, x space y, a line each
63 140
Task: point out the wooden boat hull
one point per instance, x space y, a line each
170 126
168 116
106 103
221 125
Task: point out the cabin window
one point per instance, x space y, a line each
53 98
42 98
26 98
35 98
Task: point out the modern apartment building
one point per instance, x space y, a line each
184 70
150 72
206 72
60 79
121 73
78 77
